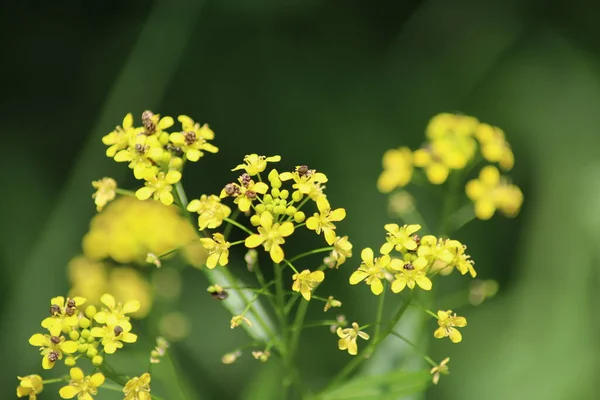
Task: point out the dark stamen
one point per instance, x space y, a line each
118 330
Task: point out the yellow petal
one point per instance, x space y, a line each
439 333
144 193
166 197
165 122
177 138
68 392
253 241
317 276
276 253
285 176
423 282
76 374
39 340
455 335
386 248
97 379
376 287
128 121
69 347
337 214
46 363
260 187
398 285
329 236
266 220
173 177
131 307
313 222
108 300
323 204
212 260
367 255
286 229
357 277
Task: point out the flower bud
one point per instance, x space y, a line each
90 311
97 360
74 335
70 361
284 194
260 208
275 192
85 334
84 323
297 196
299 217
255 220
279 210
92 352
291 210
267 198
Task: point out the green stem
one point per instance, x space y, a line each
290 265
55 380
308 253
227 229
415 347
380 305
238 225
125 192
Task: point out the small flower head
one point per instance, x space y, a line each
245 192
138 388
448 323
342 249
159 351
440 369
490 192
340 322
52 348
211 212
159 186
217 292
323 221
397 169
494 146
113 337
119 138
255 164
193 141
348 337
30 386
371 270
63 314
305 179
481 290
230 358
401 238
237 320
84 387
263 356
116 313
331 302
460 260
218 250
306 281
412 272
105 192
271 236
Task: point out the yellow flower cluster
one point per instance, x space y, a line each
454 143
416 259
154 154
276 212
74 332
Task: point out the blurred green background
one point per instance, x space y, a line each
332 84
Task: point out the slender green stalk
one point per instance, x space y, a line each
380 306
414 346
238 225
228 227
55 380
308 253
125 192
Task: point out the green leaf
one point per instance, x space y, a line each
393 385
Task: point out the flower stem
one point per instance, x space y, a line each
238 225
308 253
414 346
380 305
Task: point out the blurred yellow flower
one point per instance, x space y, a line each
397 169
494 146
440 369
218 250
255 164
105 192
138 388
306 281
348 337
448 323
490 192
211 212
324 219
84 387
271 236
30 386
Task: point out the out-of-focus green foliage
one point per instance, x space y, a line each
329 84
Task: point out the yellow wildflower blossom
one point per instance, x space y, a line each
84 387
30 386
306 281
342 249
494 147
304 178
193 142
397 169
435 250
237 320
136 155
411 273
490 192
440 369
271 236
331 302
401 238
437 172
244 193
154 124
348 337
323 221
138 388
447 322
105 192
52 348
447 124
63 314
211 212
116 313
263 356
461 261
188 124
159 186
119 138
372 271
113 336
218 250
255 164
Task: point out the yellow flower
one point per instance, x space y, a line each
218 250
138 388
105 192
116 313
271 236
490 192
113 336
436 251
63 314
323 221
119 138
137 155
211 212
263 356
192 142
440 369
494 147
436 171
237 320
348 338
84 387
397 169
342 249
52 348
159 186
306 281
305 179
460 259
402 238
244 193
188 124
30 385
446 124
373 271
255 164
411 273
447 322
154 124
331 302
